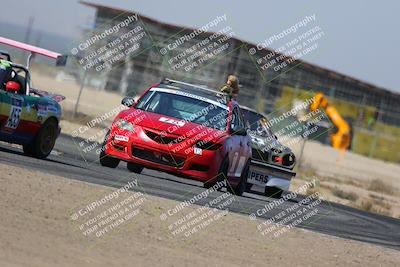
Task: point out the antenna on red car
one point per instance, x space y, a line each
61 60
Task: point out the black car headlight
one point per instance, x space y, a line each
276 150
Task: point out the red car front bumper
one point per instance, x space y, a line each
176 159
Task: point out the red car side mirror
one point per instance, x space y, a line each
128 101
12 86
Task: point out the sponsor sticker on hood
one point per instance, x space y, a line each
172 121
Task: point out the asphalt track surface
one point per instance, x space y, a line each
332 219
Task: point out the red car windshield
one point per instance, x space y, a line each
184 108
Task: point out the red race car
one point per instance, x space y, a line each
183 129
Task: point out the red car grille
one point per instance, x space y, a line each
161 139
158 157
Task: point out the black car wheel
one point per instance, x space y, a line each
106 160
248 187
273 192
43 143
221 176
134 167
241 187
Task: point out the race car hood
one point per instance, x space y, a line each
261 142
55 97
170 125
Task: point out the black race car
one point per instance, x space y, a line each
272 162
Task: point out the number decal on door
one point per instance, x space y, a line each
14 118
234 161
240 166
237 164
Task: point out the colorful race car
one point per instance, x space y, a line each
28 117
272 162
183 129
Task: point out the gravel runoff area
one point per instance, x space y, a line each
39 229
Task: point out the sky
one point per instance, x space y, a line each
361 38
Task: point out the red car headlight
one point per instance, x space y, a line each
124 125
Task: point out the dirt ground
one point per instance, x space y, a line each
38 230
350 179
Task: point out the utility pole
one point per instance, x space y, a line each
83 81
29 29
28 33
376 133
